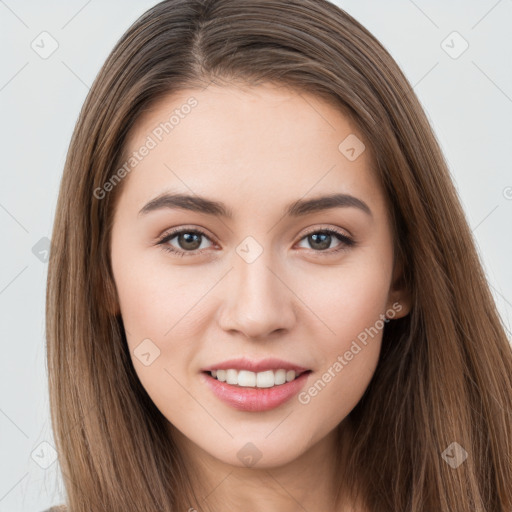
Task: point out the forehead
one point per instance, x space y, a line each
248 144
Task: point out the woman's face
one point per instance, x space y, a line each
263 270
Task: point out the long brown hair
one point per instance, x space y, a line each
445 370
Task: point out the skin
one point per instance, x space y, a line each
256 149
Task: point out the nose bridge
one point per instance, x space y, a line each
258 303
255 283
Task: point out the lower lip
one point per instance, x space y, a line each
255 399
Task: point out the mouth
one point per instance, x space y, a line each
249 379
249 391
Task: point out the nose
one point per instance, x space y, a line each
259 302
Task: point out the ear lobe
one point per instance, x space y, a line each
399 298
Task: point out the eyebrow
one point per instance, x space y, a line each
297 208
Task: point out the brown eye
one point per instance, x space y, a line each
321 240
188 241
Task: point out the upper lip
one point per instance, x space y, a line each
244 363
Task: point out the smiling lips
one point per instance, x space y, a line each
255 385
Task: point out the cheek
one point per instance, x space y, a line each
163 315
349 298
351 307
155 304
354 306
155 299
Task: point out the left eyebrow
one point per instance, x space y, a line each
297 208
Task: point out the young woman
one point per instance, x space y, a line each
263 293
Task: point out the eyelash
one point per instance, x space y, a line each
346 242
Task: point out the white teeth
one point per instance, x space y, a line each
231 376
280 377
246 378
265 379
290 375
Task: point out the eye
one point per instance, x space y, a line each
188 240
320 240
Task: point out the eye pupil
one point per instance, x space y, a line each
324 244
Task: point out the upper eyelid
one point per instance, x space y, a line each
340 231
170 234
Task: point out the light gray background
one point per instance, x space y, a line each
468 101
